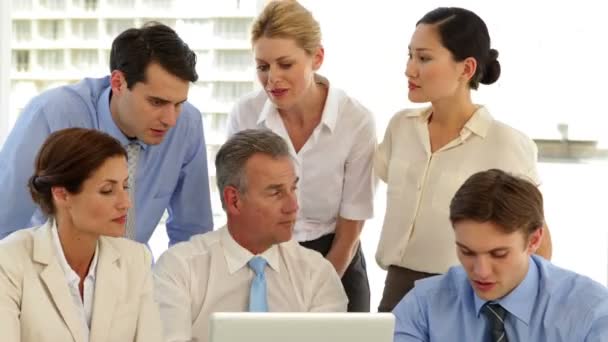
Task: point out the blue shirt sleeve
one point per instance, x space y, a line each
410 320
17 166
599 327
190 206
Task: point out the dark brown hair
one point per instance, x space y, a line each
67 158
495 196
134 49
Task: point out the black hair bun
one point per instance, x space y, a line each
491 73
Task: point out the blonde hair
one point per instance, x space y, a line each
288 19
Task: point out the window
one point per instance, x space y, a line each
51 30
21 5
84 29
84 59
22 31
21 61
232 28
230 91
216 121
233 60
51 60
116 26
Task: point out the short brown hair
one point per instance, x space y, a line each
67 158
288 19
495 196
136 48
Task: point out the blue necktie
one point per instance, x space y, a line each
257 294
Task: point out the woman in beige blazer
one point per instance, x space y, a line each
74 278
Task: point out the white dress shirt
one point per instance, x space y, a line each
83 306
417 233
335 164
209 274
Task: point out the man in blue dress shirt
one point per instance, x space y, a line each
502 292
143 105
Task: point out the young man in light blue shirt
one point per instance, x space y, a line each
502 292
143 105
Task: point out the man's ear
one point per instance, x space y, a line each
535 239
232 200
118 82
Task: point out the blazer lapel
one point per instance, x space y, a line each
54 279
108 288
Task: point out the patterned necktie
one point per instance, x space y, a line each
258 301
132 156
496 316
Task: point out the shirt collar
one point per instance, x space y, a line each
106 122
479 123
329 117
70 274
237 257
520 302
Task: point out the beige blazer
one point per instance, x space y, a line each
36 306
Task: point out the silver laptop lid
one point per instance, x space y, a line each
301 327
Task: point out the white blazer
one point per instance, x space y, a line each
35 302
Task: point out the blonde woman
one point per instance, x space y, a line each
331 138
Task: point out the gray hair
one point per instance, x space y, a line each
233 155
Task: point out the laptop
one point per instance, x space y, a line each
301 327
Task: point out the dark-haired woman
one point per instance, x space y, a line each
427 153
74 278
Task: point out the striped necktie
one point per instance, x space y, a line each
496 316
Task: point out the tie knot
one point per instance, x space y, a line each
257 264
494 312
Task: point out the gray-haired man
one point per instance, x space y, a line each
251 264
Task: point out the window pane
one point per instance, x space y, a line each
21 60
52 30
84 59
85 29
233 60
116 26
22 31
51 60
232 28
